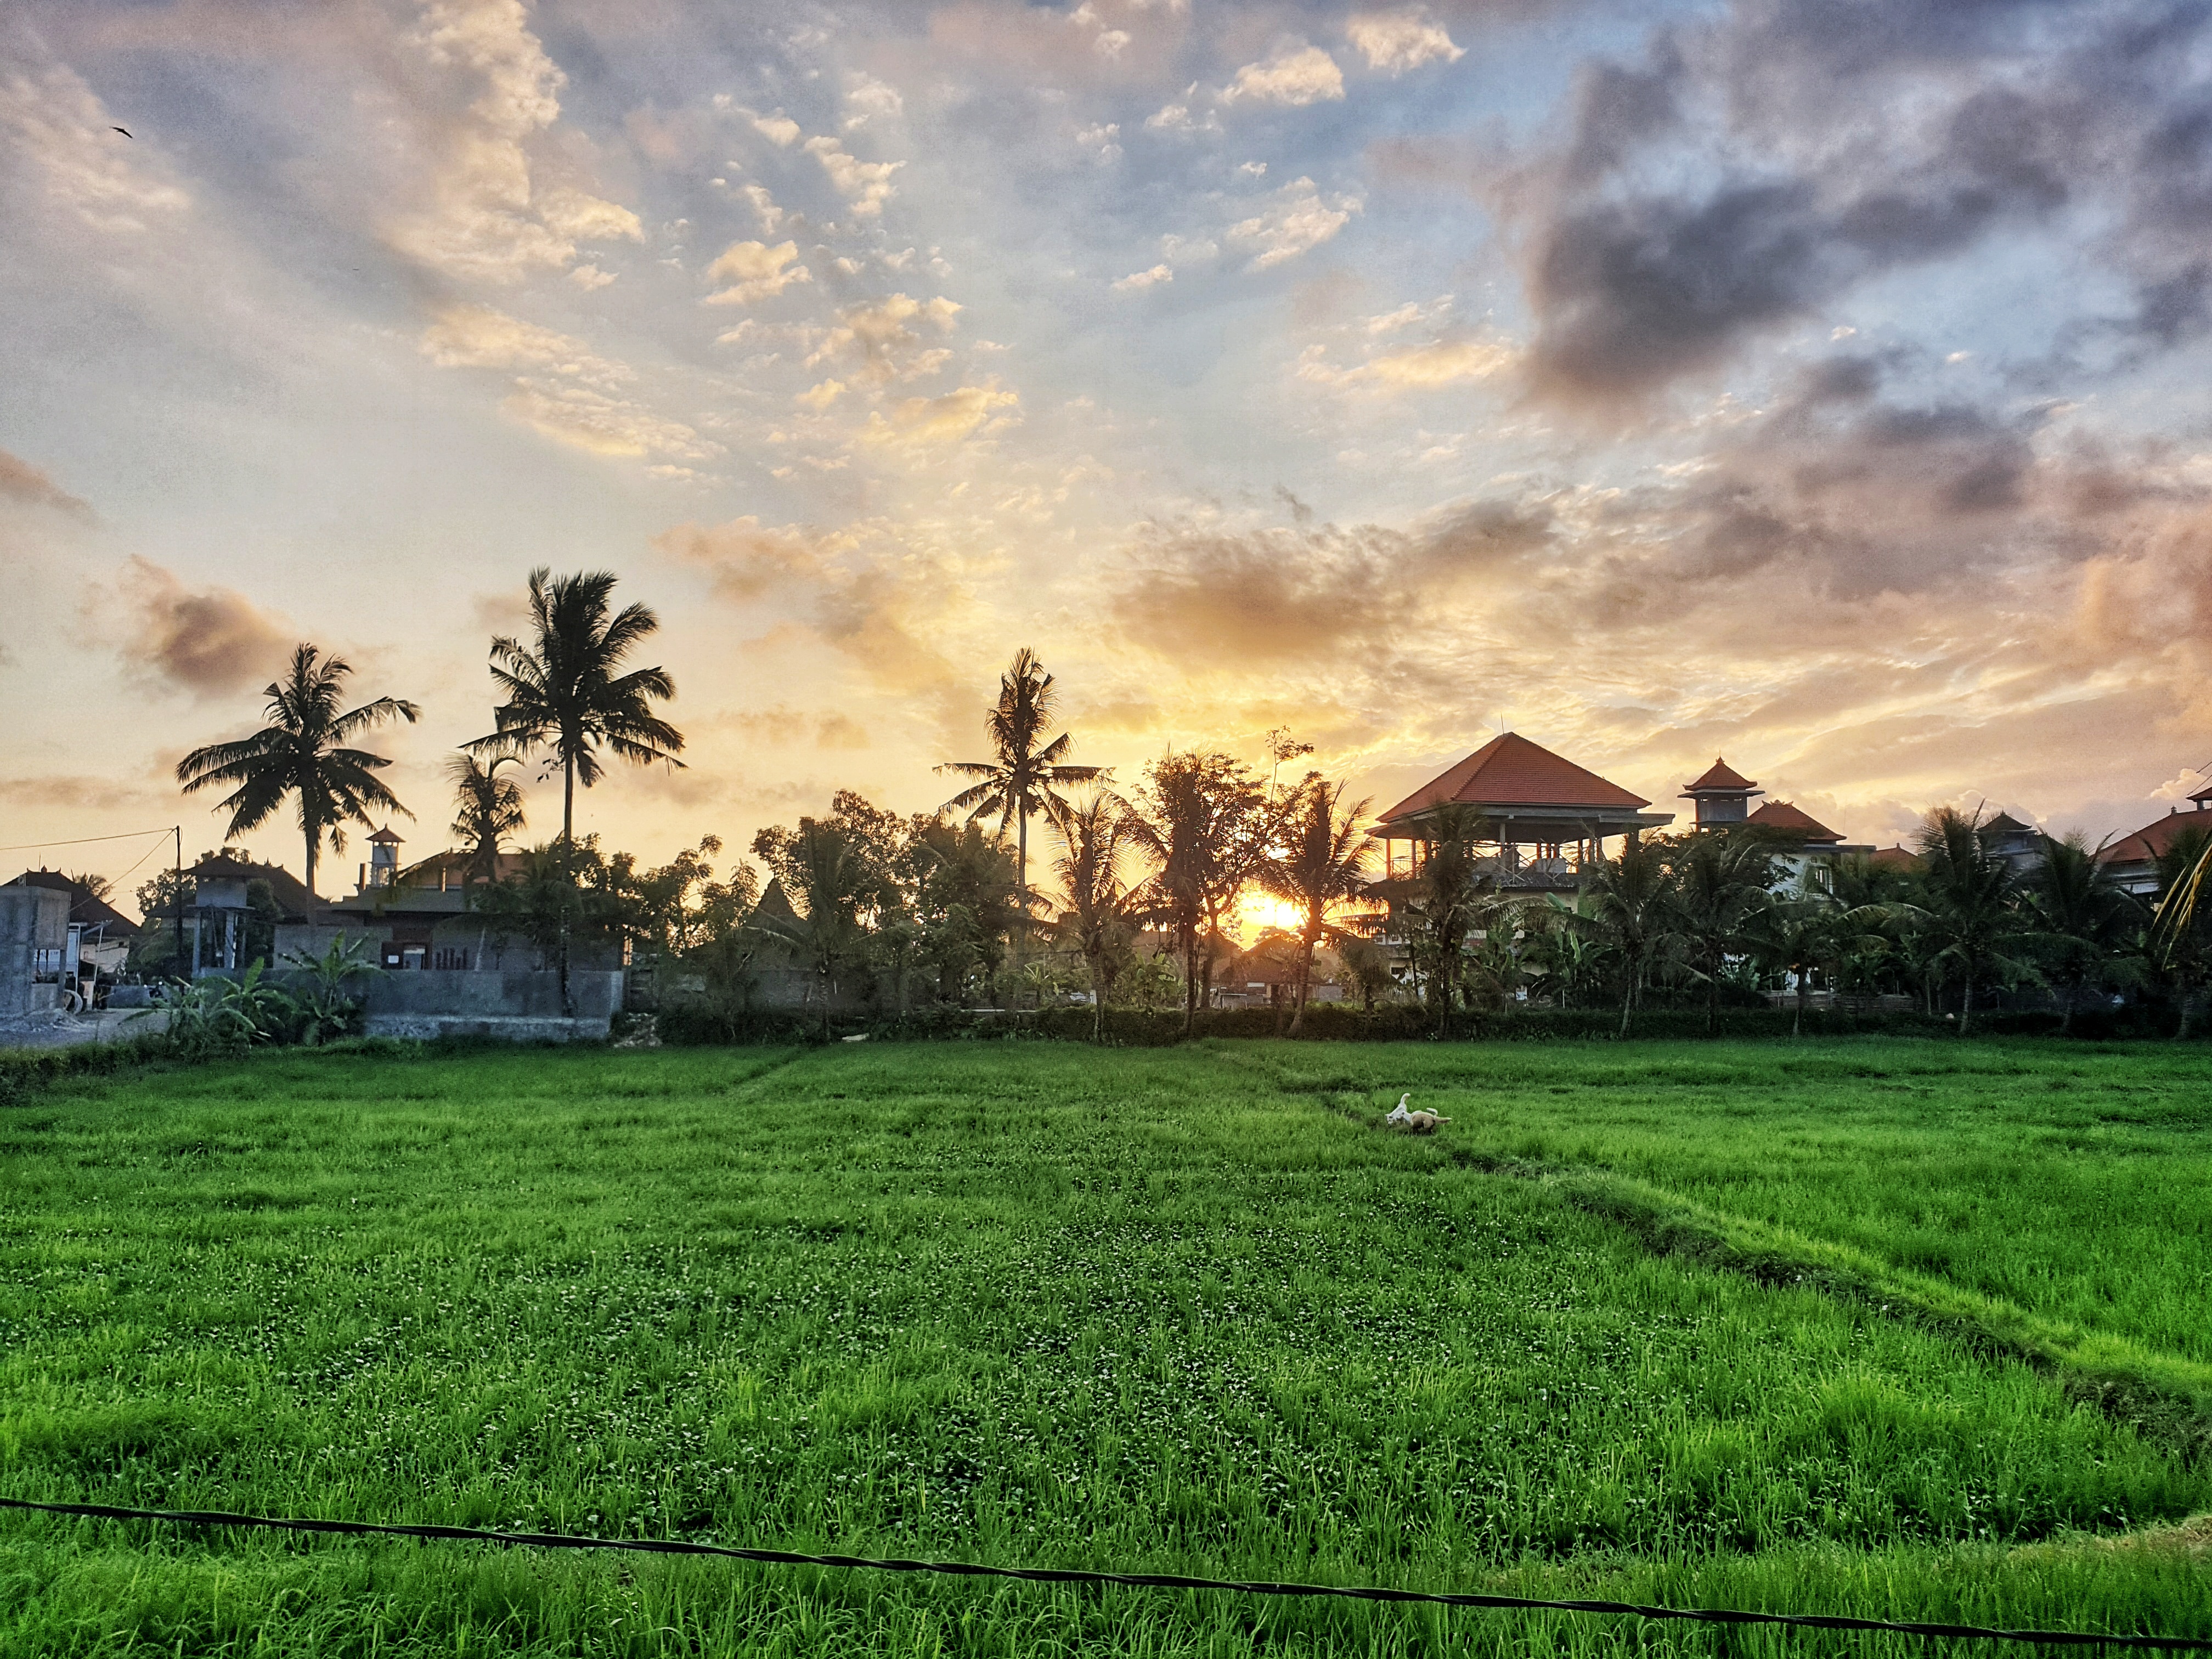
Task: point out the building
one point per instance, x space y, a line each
1723 795
2020 845
1544 818
105 932
38 971
2133 858
220 920
448 968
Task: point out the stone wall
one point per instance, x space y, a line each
32 920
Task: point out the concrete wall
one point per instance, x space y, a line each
32 920
526 995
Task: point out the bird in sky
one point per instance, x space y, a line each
125 131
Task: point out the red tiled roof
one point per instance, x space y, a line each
1782 815
2151 842
1721 777
1895 858
2005 824
1510 771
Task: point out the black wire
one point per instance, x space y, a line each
127 834
554 1541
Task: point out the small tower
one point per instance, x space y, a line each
383 858
1722 796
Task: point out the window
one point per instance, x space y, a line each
411 956
450 957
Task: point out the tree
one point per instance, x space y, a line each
1022 777
1720 880
563 690
2180 937
99 886
1205 820
486 811
301 752
1971 924
830 879
1101 919
962 902
1453 897
1626 905
1320 862
2088 920
1362 967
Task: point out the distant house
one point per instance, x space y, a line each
1900 857
2020 845
105 933
2133 858
1723 797
1546 817
216 917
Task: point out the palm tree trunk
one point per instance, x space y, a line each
2066 1019
1305 975
1713 999
1797 1020
1965 1003
568 869
314 837
1627 1002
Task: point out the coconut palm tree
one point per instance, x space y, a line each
2088 920
1626 904
836 880
1721 883
1455 896
488 810
1206 820
1973 923
1022 777
302 752
564 691
2180 940
1321 861
1102 910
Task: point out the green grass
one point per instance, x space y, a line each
1185 1310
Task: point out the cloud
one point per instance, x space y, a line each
580 399
1396 41
1450 361
79 791
1137 281
866 186
478 337
1296 219
1178 118
59 127
22 482
488 219
1292 76
209 642
877 332
1103 141
949 419
866 96
819 397
861 589
778 129
754 271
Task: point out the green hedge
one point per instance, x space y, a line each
25 1072
1144 1028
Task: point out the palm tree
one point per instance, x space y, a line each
2088 918
1094 842
301 752
488 810
1627 902
1206 822
1322 861
2179 939
1971 920
1721 882
1453 898
563 690
835 879
1021 778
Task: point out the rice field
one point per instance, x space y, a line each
1898 1329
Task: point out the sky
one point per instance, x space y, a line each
1818 383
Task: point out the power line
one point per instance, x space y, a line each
1133 1580
128 835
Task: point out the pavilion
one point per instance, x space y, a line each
1544 818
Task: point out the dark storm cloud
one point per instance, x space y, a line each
1811 148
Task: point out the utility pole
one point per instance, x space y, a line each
179 893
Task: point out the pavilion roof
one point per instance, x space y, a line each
2155 839
1721 779
1510 771
2005 824
1899 857
1782 815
